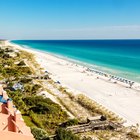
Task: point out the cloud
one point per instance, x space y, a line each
104 32
103 28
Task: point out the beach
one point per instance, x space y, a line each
116 97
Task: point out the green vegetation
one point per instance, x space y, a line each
8 68
38 111
42 115
71 122
63 134
31 89
39 134
21 63
28 121
25 80
133 132
94 108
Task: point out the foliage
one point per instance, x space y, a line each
26 55
133 135
8 67
6 56
21 63
35 119
31 88
41 105
8 50
36 110
94 108
70 122
17 98
28 121
14 71
39 134
25 80
35 88
63 134
42 112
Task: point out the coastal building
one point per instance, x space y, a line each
12 126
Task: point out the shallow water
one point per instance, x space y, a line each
118 57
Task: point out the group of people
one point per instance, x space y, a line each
120 79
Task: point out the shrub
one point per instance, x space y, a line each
35 88
70 123
62 134
41 105
29 88
39 134
5 56
25 80
35 119
21 63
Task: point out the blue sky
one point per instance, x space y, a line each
69 19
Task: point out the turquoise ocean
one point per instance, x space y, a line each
117 57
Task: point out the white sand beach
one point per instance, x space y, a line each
116 97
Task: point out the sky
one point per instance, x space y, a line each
70 19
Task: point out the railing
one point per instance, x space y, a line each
19 130
8 110
93 125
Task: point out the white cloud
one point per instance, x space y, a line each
127 27
106 32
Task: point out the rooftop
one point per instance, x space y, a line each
12 126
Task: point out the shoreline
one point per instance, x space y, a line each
87 66
64 71
126 73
